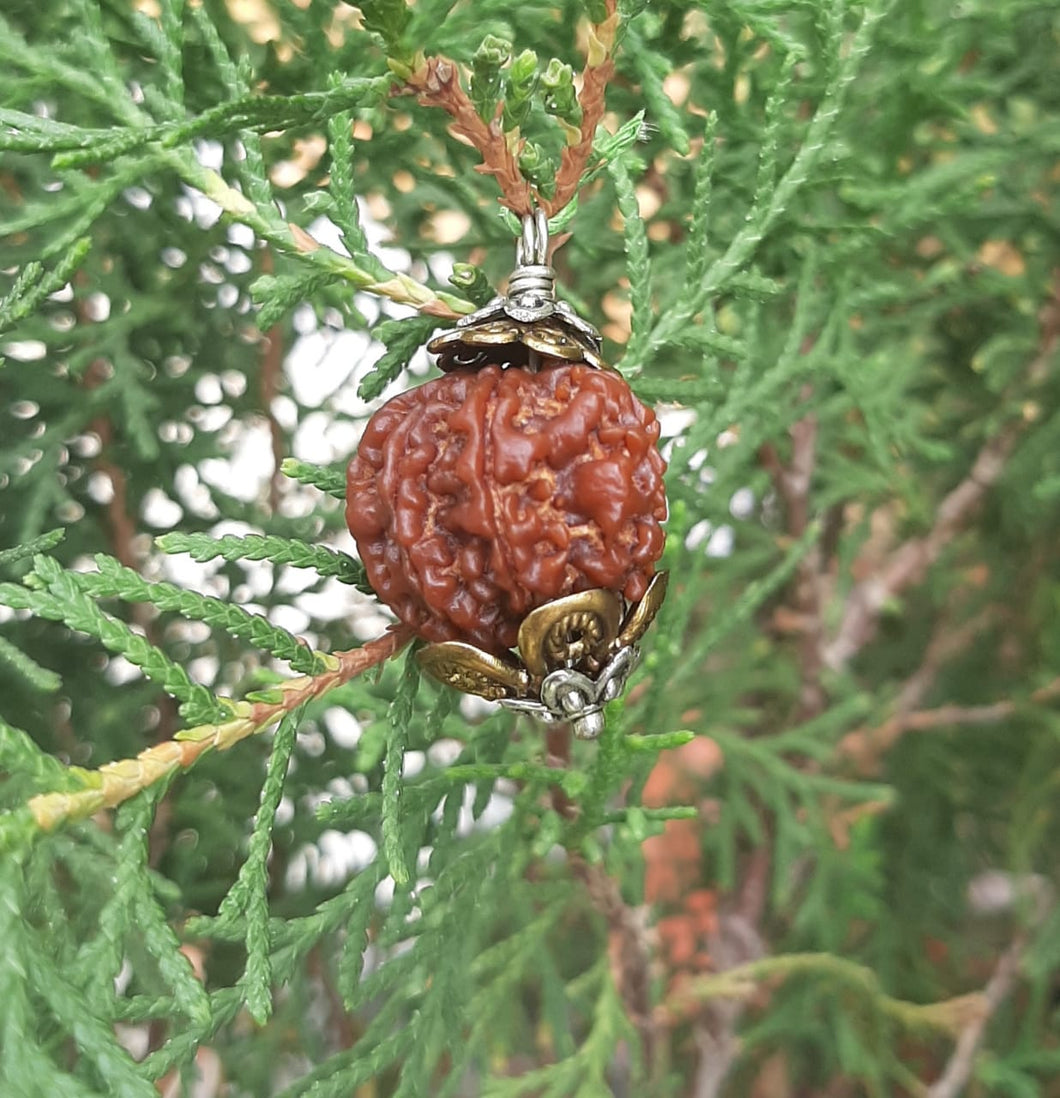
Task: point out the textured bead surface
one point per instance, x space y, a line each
480 496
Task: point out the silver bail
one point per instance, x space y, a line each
532 286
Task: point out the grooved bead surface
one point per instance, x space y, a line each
480 496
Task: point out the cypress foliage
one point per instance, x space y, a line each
815 849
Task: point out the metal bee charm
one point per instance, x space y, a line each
576 654
529 322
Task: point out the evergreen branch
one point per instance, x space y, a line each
330 481
113 580
20 755
599 68
744 981
34 284
42 544
697 245
249 896
473 283
402 338
298 554
436 83
293 241
651 68
40 678
343 192
772 204
399 718
638 266
62 600
80 145
116 782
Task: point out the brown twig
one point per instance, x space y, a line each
436 83
959 1068
736 942
599 68
869 743
628 951
865 745
116 782
909 564
792 483
268 387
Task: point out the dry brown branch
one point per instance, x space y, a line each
599 68
627 949
867 744
437 84
909 564
737 942
792 483
959 1068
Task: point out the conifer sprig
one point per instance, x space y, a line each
116 782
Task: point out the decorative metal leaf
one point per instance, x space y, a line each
569 632
549 338
643 614
473 671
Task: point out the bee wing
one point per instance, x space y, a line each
473 671
643 614
566 631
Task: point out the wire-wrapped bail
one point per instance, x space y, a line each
527 322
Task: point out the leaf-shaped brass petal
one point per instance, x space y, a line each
550 339
493 333
475 672
565 632
643 614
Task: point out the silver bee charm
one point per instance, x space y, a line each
575 655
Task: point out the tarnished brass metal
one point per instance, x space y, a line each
475 672
577 655
569 631
467 347
643 614
491 333
548 338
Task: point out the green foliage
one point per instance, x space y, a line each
822 237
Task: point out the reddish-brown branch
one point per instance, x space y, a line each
628 951
599 68
909 564
867 744
958 1070
437 84
792 483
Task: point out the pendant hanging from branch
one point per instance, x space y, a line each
516 503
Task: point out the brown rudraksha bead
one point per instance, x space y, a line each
482 495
